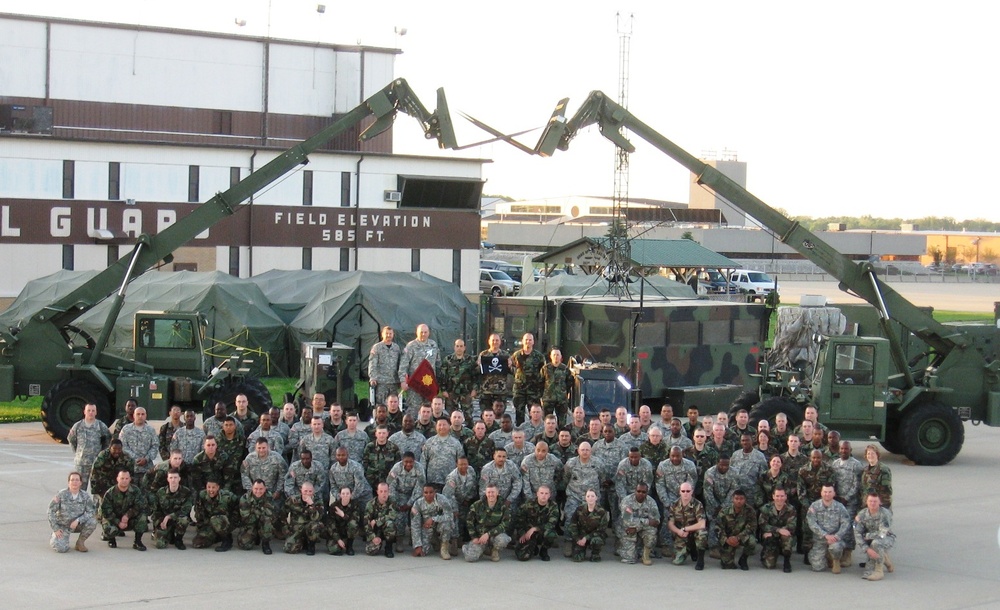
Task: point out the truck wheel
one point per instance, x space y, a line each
771 406
496 291
63 406
932 434
746 400
256 392
893 442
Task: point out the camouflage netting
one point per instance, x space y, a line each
592 285
39 293
793 346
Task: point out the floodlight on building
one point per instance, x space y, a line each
320 8
240 22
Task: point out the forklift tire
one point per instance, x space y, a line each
771 406
745 400
932 434
254 389
893 442
63 406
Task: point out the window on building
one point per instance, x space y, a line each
114 180
234 261
345 189
415 259
419 192
69 179
456 267
345 259
234 176
193 179
222 122
67 257
307 258
307 187
112 254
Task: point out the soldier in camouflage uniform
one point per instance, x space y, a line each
420 349
873 535
408 439
212 426
323 451
256 518
458 380
383 366
405 483
640 523
704 457
669 476
580 474
876 477
379 457
527 364
736 526
166 434
172 512
609 451
830 524
488 522
720 483
687 524
777 531
211 464
71 511
156 478
345 472
812 478
518 448
215 512
188 439
537 525
587 528
105 469
631 471
557 388
769 480
140 442
635 436
478 447
540 469
505 476
305 522
433 514
266 431
127 418
654 449
379 524
462 488
303 470
88 438
124 508
233 447
343 522
493 385
440 455
847 474
352 439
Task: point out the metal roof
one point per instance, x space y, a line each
672 253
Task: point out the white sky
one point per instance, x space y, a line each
883 108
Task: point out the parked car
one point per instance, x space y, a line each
716 282
498 283
514 271
753 282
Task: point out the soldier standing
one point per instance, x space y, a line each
812 479
188 439
88 437
876 477
105 469
420 349
166 434
458 380
383 366
140 442
256 518
71 511
847 474
494 365
379 457
462 488
440 455
527 364
557 382
405 483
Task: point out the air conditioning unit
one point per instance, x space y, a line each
393 196
17 118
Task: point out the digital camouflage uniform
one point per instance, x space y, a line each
440 456
216 517
383 367
643 519
545 519
415 352
459 377
412 442
823 520
770 521
630 441
462 490
669 479
274 441
298 474
515 454
811 482
405 487
590 526
748 466
378 461
847 474
879 480
117 503
270 469
441 512
628 477
256 520
528 381
579 477
188 442
87 442
305 524
682 516
557 384
344 526
485 519
379 522
355 443
534 474
104 472
64 509
177 505
743 526
479 451
141 442
492 386
718 490
506 479
352 476
875 532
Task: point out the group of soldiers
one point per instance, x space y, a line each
663 488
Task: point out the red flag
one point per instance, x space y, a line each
422 381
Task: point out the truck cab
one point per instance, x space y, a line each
850 385
171 342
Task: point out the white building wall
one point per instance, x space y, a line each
303 80
347 90
33 261
29 178
470 271
326 258
22 58
384 259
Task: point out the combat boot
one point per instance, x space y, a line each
699 563
388 551
787 568
112 542
646 560
227 543
543 553
350 548
265 546
845 558
495 553
835 564
310 548
578 553
570 549
179 543
399 545
445 553
877 572
595 556
680 558
138 545
743 563
80 546
888 562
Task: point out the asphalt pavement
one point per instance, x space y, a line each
947 556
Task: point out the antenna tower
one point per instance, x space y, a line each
619 263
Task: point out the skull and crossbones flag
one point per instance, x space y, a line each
422 380
493 364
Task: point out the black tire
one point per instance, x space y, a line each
63 406
496 291
893 442
256 392
771 406
932 434
746 400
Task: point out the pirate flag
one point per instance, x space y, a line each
422 381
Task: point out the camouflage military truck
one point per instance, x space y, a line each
683 351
